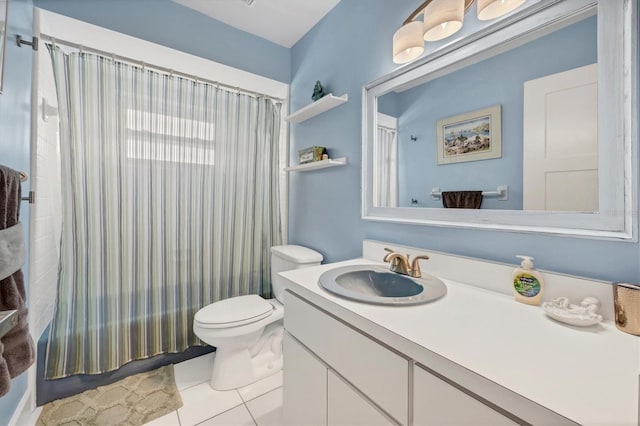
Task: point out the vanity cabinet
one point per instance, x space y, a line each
347 406
438 403
316 395
304 386
336 374
375 370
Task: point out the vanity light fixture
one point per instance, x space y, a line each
440 19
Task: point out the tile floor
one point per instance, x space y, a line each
257 404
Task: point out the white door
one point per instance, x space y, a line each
560 141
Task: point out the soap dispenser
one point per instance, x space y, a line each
527 282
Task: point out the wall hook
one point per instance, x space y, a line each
414 201
414 138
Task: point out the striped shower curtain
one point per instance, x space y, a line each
170 202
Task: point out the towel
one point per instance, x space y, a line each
462 199
16 347
12 250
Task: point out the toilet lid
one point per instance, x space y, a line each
234 311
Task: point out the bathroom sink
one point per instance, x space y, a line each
378 285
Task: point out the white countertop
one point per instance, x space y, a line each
589 375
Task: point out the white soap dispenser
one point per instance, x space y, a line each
527 282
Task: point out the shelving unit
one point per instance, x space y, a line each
318 107
316 165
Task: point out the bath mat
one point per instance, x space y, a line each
132 401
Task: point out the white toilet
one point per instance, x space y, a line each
247 331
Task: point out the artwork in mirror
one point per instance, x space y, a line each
471 136
560 79
4 6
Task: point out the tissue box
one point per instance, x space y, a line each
311 154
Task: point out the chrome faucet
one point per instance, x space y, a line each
400 263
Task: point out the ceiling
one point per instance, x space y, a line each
281 21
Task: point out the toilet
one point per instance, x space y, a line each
247 331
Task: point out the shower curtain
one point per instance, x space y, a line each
170 202
385 168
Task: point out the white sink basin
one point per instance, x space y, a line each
378 285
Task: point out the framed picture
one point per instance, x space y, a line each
470 136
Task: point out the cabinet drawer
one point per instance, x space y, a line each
376 371
347 407
437 403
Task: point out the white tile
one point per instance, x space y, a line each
29 418
201 402
261 387
267 409
170 419
193 371
238 416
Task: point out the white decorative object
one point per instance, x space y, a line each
584 315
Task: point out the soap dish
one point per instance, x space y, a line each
583 316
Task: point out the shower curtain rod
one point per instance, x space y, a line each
82 48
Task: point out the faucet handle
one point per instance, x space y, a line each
415 266
387 257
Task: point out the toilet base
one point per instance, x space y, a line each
236 367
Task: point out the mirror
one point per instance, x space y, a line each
4 6
527 122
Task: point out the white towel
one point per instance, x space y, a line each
13 251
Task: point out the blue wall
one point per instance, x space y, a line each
350 47
15 133
495 81
176 26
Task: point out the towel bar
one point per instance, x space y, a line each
31 198
8 320
502 193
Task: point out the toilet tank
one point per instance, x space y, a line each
286 258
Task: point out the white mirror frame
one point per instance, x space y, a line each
617 127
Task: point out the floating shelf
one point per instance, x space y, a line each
316 165
318 107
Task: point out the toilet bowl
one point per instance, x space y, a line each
247 331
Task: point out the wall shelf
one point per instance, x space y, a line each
318 107
316 165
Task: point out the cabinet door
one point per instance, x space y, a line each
346 407
436 402
376 371
304 386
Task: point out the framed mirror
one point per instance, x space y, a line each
4 7
537 113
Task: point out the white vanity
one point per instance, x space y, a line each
473 357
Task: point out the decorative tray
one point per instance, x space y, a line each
582 315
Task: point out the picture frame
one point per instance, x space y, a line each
4 10
472 136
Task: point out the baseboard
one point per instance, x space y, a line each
22 405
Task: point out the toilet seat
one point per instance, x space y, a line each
234 312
